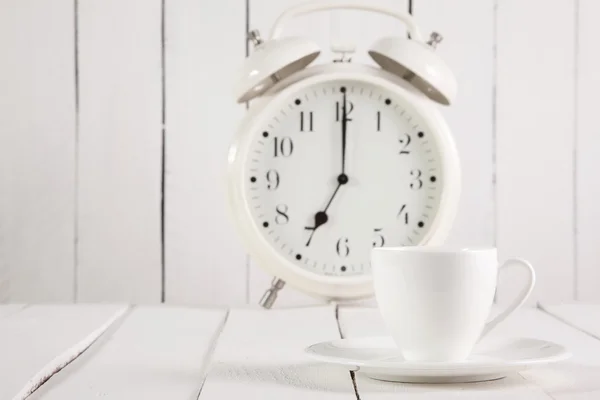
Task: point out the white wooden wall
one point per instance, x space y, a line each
116 116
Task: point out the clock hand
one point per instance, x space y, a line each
320 219
344 126
321 216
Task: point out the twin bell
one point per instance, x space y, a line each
410 58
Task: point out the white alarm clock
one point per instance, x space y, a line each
334 159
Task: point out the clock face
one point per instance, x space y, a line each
338 168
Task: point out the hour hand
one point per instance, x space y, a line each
320 219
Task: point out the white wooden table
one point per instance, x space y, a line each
162 352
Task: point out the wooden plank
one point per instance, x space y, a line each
584 317
587 193
205 263
4 287
535 144
573 379
338 27
470 55
260 355
37 149
4 272
10 309
119 150
33 337
156 353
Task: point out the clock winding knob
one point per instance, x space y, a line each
254 37
434 39
270 295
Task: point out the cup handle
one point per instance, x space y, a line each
519 300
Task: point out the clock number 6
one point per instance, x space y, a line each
342 248
417 183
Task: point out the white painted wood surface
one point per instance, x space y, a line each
534 143
9 309
119 151
587 194
37 149
66 357
34 336
576 378
154 353
188 353
582 316
205 263
260 355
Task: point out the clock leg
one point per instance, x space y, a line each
268 299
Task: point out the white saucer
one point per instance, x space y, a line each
379 358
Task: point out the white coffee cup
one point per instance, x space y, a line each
435 301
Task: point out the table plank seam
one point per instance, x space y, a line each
14 312
207 361
352 374
541 307
69 355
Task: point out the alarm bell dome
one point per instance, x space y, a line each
271 61
417 63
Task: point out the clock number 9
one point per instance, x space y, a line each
283 147
272 179
342 248
417 183
379 241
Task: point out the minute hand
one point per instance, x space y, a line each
344 126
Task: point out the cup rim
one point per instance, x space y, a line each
442 249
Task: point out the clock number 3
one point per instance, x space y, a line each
417 183
341 247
